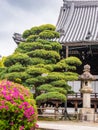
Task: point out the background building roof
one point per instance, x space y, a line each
78 21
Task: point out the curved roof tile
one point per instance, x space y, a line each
78 21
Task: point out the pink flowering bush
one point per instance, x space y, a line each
17 107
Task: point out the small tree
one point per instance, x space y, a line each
37 63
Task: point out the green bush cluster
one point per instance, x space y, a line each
17 107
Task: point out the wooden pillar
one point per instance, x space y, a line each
56 109
67 51
95 106
76 106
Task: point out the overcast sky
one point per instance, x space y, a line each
19 15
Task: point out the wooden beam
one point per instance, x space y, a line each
67 51
79 43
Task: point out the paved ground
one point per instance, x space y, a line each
64 125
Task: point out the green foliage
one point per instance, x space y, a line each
17 107
16 68
47 47
59 83
50 88
50 96
69 63
36 30
32 81
60 66
73 61
19 50
37 62
54 76
17 58
3 71
46 35
48 27
12 76
56 46
24 76
70 76
2 61
32 38
41 79
44 87
4 124
56 34
36 71
26 33
49 67
43 41
44 54
29 46
60 90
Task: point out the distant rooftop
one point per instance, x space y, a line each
78 21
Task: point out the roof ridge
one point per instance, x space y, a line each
81 2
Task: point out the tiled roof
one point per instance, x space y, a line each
78 21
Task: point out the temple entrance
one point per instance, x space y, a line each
87 54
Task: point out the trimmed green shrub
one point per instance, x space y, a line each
32 38
50 96
17 58
26 33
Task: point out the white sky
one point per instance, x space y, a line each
19 15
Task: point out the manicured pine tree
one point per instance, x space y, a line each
36 63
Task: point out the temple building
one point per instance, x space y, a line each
78 27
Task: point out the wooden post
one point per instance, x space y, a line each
76 106
95 106
67 51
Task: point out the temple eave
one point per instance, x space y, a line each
80 43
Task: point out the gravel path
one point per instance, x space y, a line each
63 125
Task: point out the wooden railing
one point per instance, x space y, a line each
51 112
79 95
94 95
75 95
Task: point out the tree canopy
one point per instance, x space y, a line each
37 63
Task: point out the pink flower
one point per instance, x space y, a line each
8 97
21 128
6 107
16 111
3 92
28 112
4 87
3 106
11 123
20 106
16 101
21 97
25 104
3 102
36 125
